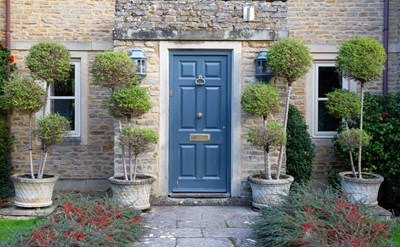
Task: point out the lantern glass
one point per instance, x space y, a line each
263 69
139 62
140 66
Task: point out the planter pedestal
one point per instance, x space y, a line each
33 193
269 192
361 190
133 193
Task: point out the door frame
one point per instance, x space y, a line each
235 165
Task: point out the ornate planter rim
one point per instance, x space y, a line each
47 179
284 179
348 178
140 179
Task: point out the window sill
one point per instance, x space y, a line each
70 141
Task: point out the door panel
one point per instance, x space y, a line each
199 134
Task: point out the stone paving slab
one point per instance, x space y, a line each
204 242
227 233
199 226
27 212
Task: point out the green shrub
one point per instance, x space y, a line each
310 217
137 140
273 135
24 95
129 102
113 69
5 57
289 59
381 156
52 129
5 160
260 99
361 58
343 104
300 150
49 61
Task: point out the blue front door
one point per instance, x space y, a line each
199 127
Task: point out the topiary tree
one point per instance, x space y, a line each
300 150
130 102
50 62
361 59
262 100
289 59
344 104
115 70
25 96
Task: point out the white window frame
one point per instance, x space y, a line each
76 97
346 85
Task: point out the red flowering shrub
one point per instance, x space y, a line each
315 218
87 222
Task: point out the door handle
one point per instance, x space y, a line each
199 115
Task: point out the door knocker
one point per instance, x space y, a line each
200 81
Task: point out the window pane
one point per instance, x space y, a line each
66 108
67 88
325 121
328 80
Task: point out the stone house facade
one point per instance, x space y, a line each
182 40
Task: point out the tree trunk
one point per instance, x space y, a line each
135 169
123 154
361 128
130 163
282 147
30 146
351 154
41 171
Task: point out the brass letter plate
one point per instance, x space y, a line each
199 137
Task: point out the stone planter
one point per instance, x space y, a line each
33 193
134 193
361 190
269 192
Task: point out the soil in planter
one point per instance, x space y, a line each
29 176
365 176
138 177
262 176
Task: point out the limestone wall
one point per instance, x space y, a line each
332 21
62 20
199 20
85 27
3 20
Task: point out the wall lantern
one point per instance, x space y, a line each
139 61
263 70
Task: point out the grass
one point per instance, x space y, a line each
9 228
396 235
